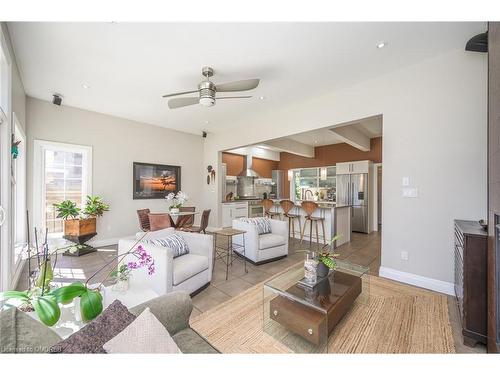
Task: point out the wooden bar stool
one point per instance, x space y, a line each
268 204
287 206
309 207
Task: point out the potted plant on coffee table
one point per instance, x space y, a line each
326 258
80 227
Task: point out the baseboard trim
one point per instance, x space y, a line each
417 280
104 242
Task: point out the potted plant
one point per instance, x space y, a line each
45 298
80 227
326 258
175 201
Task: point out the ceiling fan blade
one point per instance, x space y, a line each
179 93
247 84
182 102
233 97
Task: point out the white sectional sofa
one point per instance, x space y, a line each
263 248
189 273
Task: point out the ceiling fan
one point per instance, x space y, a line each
207 90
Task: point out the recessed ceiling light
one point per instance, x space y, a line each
262 97
316 142
381 45
206 121
85 86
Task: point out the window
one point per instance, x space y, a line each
19 191
64 172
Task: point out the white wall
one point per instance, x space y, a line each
434 131
116 144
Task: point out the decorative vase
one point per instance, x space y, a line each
174 211
322 270
121 285
310 269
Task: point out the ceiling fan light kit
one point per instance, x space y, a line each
207 91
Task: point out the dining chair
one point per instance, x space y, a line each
309 207
144 219
203 224
185 221
287 206
268 204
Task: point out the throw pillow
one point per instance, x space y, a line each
174 241
262 224
159 221
94 335
156 234
144 335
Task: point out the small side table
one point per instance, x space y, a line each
226 253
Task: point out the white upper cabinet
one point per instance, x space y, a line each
353 167
360 166
343 168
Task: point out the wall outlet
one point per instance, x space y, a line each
404 255
409 193
405 181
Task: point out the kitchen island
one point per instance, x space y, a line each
337 220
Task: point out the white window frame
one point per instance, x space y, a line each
38 171
6 232
19 204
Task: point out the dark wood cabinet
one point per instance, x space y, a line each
471 246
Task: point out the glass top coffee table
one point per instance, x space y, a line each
301 317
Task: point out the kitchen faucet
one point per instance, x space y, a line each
308 191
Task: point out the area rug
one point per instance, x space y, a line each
397 318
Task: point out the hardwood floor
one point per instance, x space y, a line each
363 249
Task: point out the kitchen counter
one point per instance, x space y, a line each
337 221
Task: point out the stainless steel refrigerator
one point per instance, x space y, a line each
352 190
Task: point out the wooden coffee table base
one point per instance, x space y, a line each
309 322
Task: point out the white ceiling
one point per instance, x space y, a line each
129 66
371 127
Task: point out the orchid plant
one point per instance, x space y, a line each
124 271
176 200
44 297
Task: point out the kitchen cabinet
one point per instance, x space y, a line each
233 210
353 167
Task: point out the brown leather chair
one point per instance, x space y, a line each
203 224
187 220
144 219
268 204
287 206
309 207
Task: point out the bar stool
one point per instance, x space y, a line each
287 206
309 207
268 204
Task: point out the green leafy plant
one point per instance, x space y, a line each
67 210
45 300
95 207
326 256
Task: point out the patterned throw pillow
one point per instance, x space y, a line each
262 223
94 335
175 242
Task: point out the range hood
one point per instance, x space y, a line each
247 168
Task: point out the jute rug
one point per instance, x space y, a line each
397 319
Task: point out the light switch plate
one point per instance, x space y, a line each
406 181
404 255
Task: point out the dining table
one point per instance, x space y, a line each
180 219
